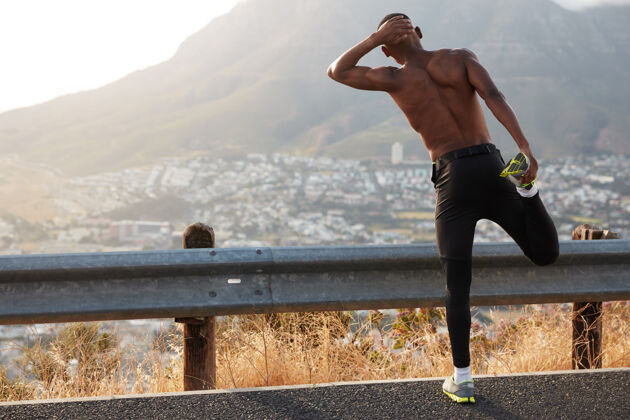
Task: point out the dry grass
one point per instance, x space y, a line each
252 351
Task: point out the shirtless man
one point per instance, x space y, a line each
436 90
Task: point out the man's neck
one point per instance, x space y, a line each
416 55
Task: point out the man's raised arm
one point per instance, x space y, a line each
345 70
482 82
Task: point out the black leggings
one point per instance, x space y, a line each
469 188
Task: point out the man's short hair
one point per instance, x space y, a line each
391 15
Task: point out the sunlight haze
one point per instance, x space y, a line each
53 48
50 49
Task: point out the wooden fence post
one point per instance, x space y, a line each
587 316
200 364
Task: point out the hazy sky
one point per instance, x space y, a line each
578 4
50 48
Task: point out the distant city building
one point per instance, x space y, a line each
177 177
132 230
397 153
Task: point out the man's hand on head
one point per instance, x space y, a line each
394 30
345 69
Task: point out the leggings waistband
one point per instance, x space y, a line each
479 149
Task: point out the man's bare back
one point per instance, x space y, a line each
440 103
436 90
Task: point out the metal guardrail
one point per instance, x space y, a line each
203 282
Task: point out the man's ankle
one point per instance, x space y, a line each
462 374
524 192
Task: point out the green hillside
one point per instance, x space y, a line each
254 80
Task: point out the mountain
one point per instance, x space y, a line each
254 80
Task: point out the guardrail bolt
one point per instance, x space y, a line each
259 251
200 365
587 316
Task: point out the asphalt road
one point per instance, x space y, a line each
565 395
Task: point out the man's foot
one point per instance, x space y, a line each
463 392
515 169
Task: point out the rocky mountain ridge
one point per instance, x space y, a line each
254 80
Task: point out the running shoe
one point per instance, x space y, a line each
463 392
515 169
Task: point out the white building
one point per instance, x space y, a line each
397 153
135 230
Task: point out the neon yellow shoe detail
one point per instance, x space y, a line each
461 393
460 400
515 169
517 166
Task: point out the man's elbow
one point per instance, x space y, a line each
335 73
331 72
